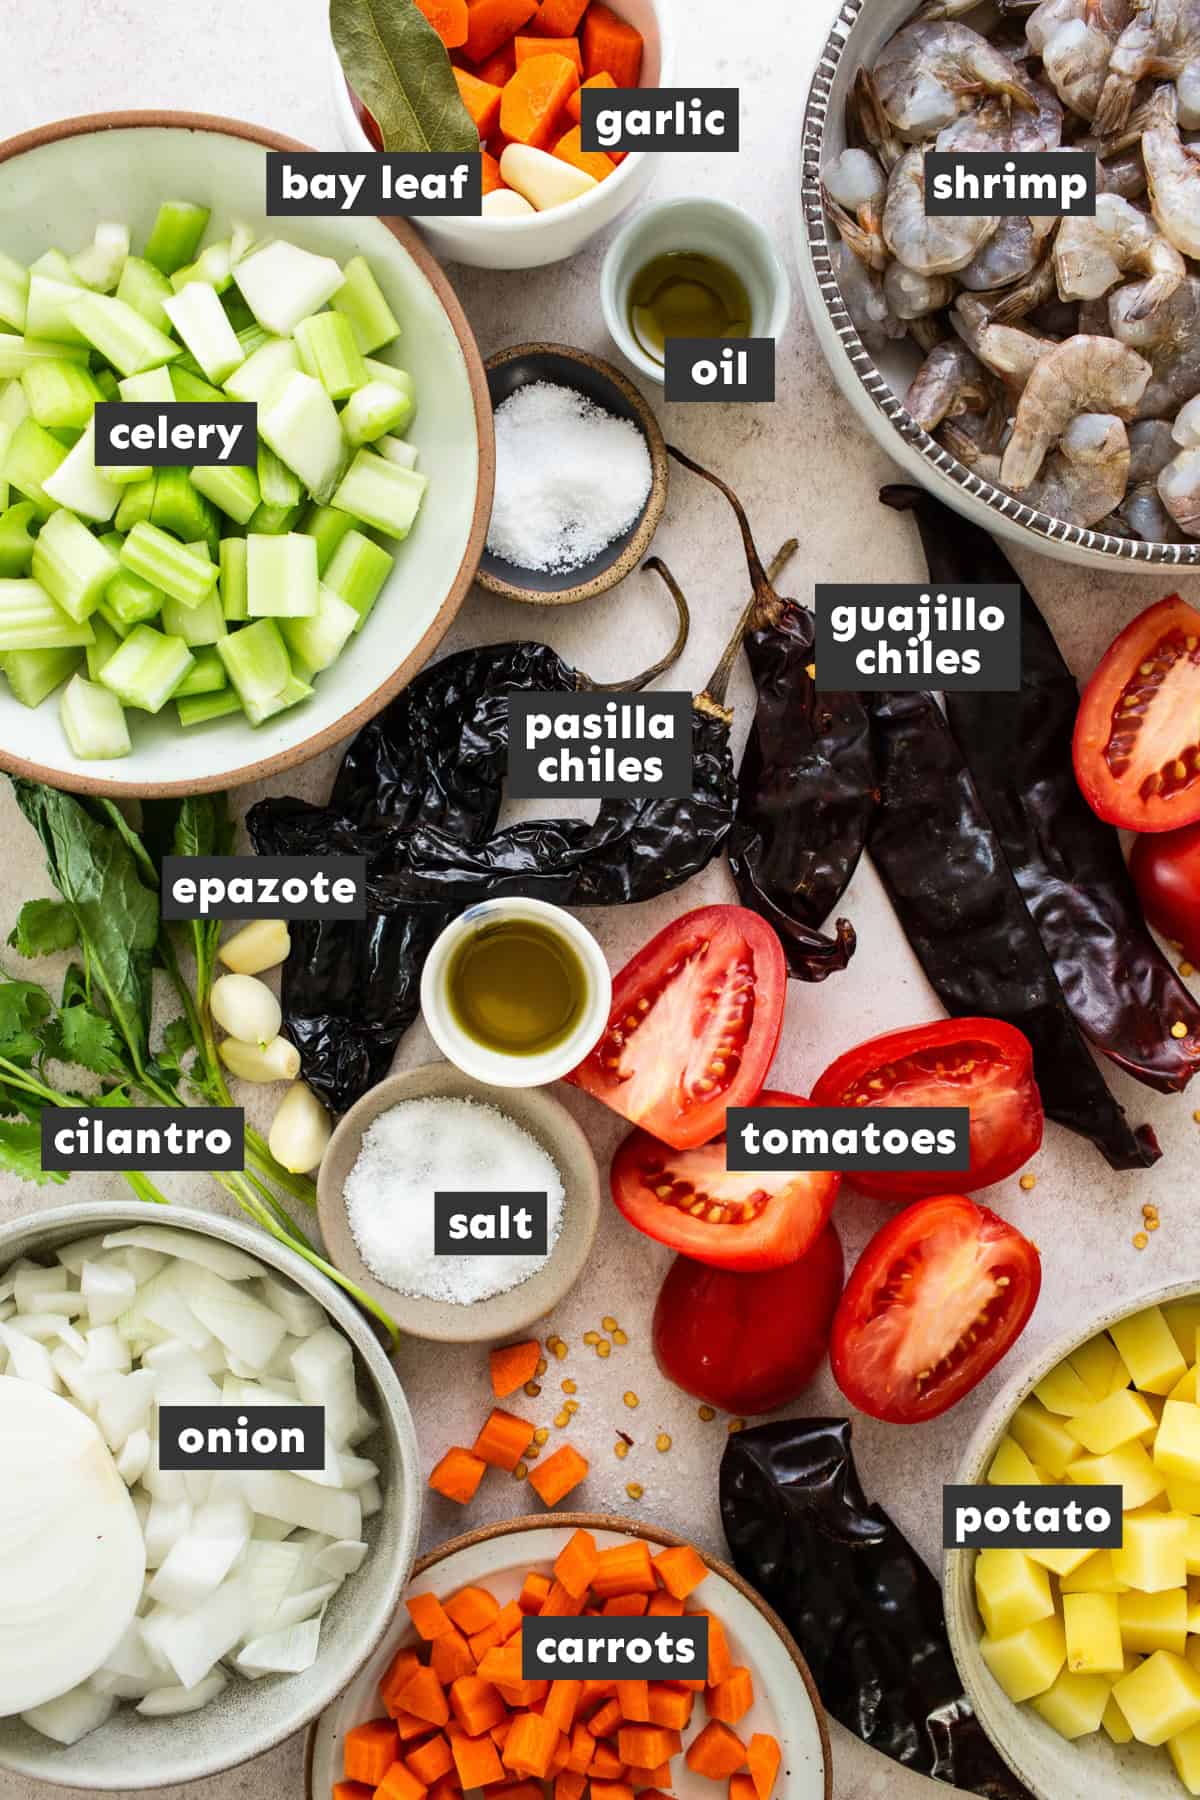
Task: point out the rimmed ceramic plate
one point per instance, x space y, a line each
498 1557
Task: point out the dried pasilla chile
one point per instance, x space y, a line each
1123 993
857 1598
806 787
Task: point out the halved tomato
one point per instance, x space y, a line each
1137 736
694 1025
1166 873
691 1201
936 1299
979 1063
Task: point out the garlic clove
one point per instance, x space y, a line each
246 1008
544 180
276 1061
262 944
300 1130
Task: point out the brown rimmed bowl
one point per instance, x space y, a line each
56 183
497 1556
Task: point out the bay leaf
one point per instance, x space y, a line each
397 65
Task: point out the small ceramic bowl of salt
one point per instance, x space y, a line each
435 1130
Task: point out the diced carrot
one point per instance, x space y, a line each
717 1752
501 1664
431 1760
491 173
499 1733
611 1790
763 1757
574 106
561 1603
720 1660
534 1592
481 99
471 1609
499 68
731 1699
410 1730
399 1783
485 1640
594 1691
625 1569
526 47
351 1790
558 1761
474 1758
458 1475
569 1784
741 1787
669 1706
448 1788
633 1697
562 1702
607 1720
665 1606
529 111
606 1764
504 1438
611 46
558 18
449 20
680 1570
652 1778
624 1606
647 1746
509 1620
531 1745
399 1670
595 163
429 1616
583 1748
491 23
451 1657
577 1562
477 1705
369 1751
424 1697
554 1479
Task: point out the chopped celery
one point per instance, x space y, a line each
241 239
137 503
14 292
48 312
181 509
278 486
56 266
176 235
199 319
78 484
202 624
6 431
16 353
59 393
318 641
397 378
167 564
357 571
106 381
256 662
233 489
29 620
328 352
211 269
373 410
31 458
198 709
13 405
126 474
263 370
381 493
129 601
298 421
281 576
329 527
121 335
192 388
294 689
282 284
273 521
144 288
100 266
206 675
397 450
72 565
233 579
250 336
152 384
106 640
34 674
362 302
16 539
93 721
147 668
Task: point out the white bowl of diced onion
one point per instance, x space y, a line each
312 1602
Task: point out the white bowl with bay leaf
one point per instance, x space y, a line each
223 1611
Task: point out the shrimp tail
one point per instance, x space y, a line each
1154 292
1115 106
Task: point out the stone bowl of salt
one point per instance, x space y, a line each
435 1130
581 476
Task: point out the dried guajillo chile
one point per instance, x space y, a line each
1122 991
857 1598
806 787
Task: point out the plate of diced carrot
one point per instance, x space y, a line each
442 1712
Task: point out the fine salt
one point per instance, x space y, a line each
570 478
423 1147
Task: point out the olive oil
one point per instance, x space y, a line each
690 295
516 987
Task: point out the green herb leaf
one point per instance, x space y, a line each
397 65
24 1010
21 1152
82 1036
42 927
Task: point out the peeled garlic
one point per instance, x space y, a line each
504 203
246 1008
260 945
276 1061
544 180
300 1130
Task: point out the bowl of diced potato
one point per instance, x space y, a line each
1084 1665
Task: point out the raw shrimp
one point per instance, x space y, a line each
912 296
855 188
868 126
1084 375
1173 177
1123 174
1083 480
930 73
1007 350
1170 342
1151 448
1010 255
930 246
996 125
1179 479
1076 39
1038 289
1092 254
862 292
1163 39
950 381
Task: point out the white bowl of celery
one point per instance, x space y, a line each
184 627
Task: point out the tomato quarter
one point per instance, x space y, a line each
1166 872
936 1299
694 1025
979 1063
748 1343
1137 736
689 1200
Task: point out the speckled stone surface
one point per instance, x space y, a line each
802 466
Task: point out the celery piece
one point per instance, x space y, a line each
274 521
137 503
241 239
106 640
397 378
130 601
72 565
251 335
293 691
357 571
180 508
281 576
256 662
328 352
126 474
48 311
59 393
206 675
100 266
16 539
328 526
198 709
233 579
55 265
93 721
361 300
318 641
121 335
277 484
202 624
282 284
152 384
232 488
298 421
31 458
34 674
175 236
167 564
13 405
192 388
106 381
397 450
264 370
30 620
14 292
79 485
6 432
373 410
147 668
199 319
212 269
17 353
381 493
144 288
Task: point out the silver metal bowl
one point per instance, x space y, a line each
859 30
249 1716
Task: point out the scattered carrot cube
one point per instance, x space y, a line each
477 1705
665 1606
351 1790
534 1592
471 1609
717 1752
502 1664
606 1764
741 1787
562 1703
531 1745
504 1439
606 1719
574 106
647 1746
409 1729
482 101
633 1697
611 46
625 1569
554 1479
451 1657
680 1570
399 1783
526 47
558 18
561 1603
475 1759
731 1699
401 1668
449 20
625 1606
369 1751
611 1790
534 97
569 1784
424 1697
430 1760
595 163
458 1475
577 1562
763 1757
491 23
670 1707
720 1662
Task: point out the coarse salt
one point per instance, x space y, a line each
570 477
423 1147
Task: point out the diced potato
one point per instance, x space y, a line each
1075 1704
1093 1633
1153 1555
1128 1468
1149 1351
1043 1437
1115 1723
1177 1445
1151 1622
1184 1751
1113 1422
1011 1467
1062 1391
1028 1662
1183 1496
1183 1318
1185 1388
1061 1562
1160 1698
1191 1543
1012 1592
1098 1365
1095 1576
